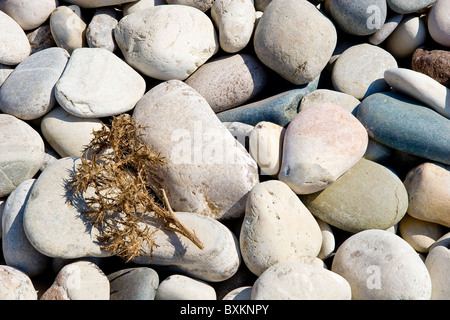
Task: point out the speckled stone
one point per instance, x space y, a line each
367 196
15 285
366 260
434 63
100 31
408 127
279 109
139 283
229 81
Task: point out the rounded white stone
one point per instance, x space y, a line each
67 134
277 227
14 45
328 240
179 287
266 147
437 262
202 5
438 22
407 37
235 20
300 281
96 83
15 285
370 261
167 42
29 14
132 7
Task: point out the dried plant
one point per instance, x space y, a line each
116 167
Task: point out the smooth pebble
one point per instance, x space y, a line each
180 287
15 285
68 28
438 22
14 45
138 283
434 63
437 262
410 34
29 14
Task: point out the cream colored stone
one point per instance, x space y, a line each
15 285
14 45
407 37
421 235
179 287
277 227
437 262
328 240
29 14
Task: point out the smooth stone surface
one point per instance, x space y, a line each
67 134
29 14
206 170
167 42
359 70
266 147
434 63
132 7
41 38
438 22
28 93
437 262
407 6
377 152
133 284
202 5
402 124
17 250
81 280
240 131
279 109
369 261
410 34
386 30
320 144
179 287
318 96
96 3
14 45
368 196
100 31
229 81
5 71
277 227
328 240
421 235
218 261
68 28
97 83
299 57
360 18
420 87
15 285
235 21
22 153
300 281
52 224
241 293
429 200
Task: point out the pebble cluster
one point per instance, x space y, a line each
307 144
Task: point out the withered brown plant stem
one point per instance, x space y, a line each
113 178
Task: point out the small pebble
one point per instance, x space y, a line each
437 262
68 28
318 96
388 27
14 45
133 284
406 6
132 7
82 280
179 287
434 63
41 38
438 22
29 14
100 31
410 34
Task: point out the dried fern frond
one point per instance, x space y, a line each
116 168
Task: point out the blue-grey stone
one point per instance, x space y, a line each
279 109
405 125
28 92
133 284
360 18
408 6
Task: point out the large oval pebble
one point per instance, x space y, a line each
29 14
299 57
403 124
14 45
68 28
320 144
22 153
370 261
368 196
28 93
97 83
300 281
438 22
167 42
277 227
206 169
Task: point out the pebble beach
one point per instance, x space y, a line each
306 144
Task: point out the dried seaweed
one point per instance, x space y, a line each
116 167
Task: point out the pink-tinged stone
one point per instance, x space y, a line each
321 143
